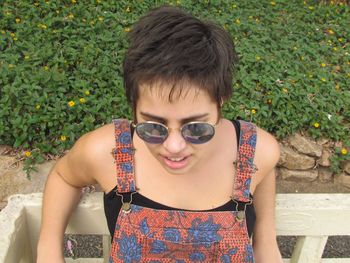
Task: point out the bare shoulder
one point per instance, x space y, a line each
89 158
267 154
267 148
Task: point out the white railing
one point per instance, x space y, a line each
311 217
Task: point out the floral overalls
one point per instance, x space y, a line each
145 234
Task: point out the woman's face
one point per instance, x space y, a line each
176 155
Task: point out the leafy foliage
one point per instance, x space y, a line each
60 67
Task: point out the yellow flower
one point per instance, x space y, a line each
273 3
269 101
8 13
127 29
57 11
323 65
70 16
63 138
311 76
285 90
340 40
3 32
316 125
26 57
295 48
47 1
178 2
250 17
337 87
234 6
27 153
46 68
323 79
11 65
253 111
92 22
87 92
302 58
258 58
12 34
100 18
71 103
311 7
238 21
37 106
74 1
330 31
98 1
82 100
15 39
335 49
18 20
42 26
127 9
36 4
344 151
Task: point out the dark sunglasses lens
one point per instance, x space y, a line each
198 133
151 132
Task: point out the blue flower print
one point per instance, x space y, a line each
136 208
144 226
249 256
197 256
125 138
129 249
158 247
204 232
172 234
226 258
252 140
127 150
127 167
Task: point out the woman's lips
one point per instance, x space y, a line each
175 162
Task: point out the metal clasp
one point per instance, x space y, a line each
126 206
241 213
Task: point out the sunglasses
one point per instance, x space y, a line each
192 132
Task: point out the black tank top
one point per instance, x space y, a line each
113 204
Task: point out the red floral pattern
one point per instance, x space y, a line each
152 235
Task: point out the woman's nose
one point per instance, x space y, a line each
174 143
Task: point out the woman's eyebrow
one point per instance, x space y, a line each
187 119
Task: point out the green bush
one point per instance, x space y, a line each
60 67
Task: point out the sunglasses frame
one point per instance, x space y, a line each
168 129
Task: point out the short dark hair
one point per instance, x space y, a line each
168 44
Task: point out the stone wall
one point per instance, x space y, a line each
304 159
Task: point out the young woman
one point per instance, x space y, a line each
181 183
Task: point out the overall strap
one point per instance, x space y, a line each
245 167
124 156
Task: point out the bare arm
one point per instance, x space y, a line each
264 237
61 196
